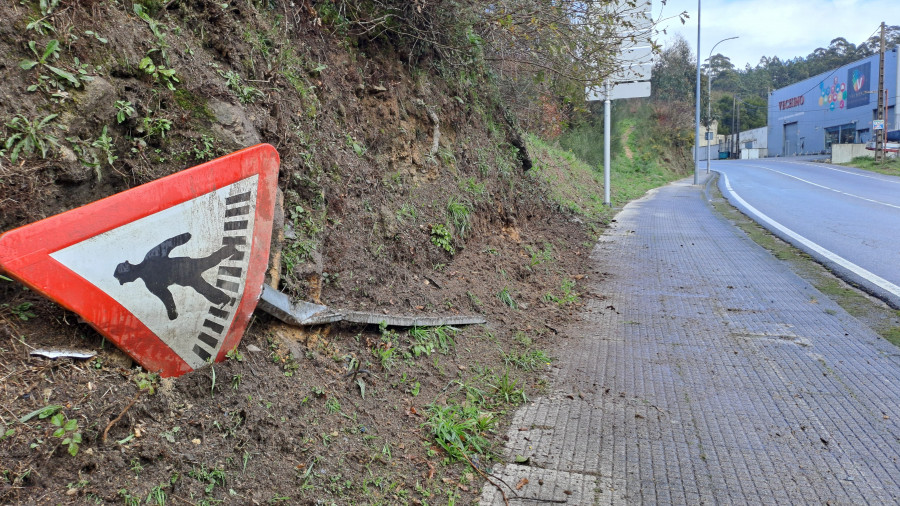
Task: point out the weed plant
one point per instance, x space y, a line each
441 238
459 429
41 24
506 298
158 29
473 187
21 311
67 431
29 135
528 360
426 341
210 476
124 111
246 94
507 388
56 78
459 210
159 73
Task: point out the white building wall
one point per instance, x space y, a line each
757 138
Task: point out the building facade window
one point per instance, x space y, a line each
841 134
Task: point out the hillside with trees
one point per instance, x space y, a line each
748 88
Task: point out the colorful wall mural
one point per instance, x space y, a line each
832 95
858 89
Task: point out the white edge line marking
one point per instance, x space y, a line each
882 179
825 187
867 176
859 271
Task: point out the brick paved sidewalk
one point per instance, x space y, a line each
703 370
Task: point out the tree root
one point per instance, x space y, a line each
116 420
486 477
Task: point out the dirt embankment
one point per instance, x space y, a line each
403 193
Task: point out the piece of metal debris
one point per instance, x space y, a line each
303 313
55 354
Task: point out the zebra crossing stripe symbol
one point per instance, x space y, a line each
169 271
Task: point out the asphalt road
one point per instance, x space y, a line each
848 219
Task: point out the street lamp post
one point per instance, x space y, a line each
709 99
697 107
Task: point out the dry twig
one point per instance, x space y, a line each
106 431
487 478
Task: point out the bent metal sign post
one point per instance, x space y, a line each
169 271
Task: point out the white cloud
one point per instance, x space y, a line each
786 29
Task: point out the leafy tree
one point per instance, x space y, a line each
753 112
723 110
541 54
871 45
719 64
750 109
568 40
674 73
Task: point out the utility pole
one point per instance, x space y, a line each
879 136
738 147
731 137
708 115
697 107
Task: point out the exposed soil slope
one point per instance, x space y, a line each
403 193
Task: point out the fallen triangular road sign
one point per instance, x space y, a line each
169 271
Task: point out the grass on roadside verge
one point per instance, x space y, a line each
890 166
872 312
578 188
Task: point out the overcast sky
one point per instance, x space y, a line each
783 28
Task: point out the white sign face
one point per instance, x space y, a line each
632 73
878 124
179 271
621 91
635 59
636 55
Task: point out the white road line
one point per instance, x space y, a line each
826 187
821 166
830 256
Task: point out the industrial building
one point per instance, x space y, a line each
836 107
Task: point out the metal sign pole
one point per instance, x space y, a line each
880 136
606 125
697 107
708 115
630 78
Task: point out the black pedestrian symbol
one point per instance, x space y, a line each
159 271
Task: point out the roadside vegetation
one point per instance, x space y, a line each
889 166
577 186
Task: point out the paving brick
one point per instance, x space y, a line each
707 373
